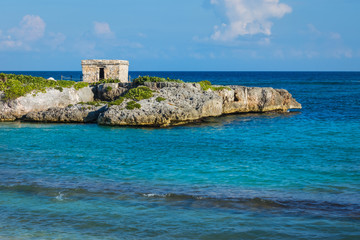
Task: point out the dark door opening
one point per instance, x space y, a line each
101 74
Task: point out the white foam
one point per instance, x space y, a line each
60 197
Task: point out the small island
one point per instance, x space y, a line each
148 101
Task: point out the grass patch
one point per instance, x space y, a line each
160 99
80 85
142 79
95 103
118 101
15 86
205 85
108 89
132 105
139 93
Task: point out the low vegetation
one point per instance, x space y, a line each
139 93
160 99
205 85
15 86
142 79
116 102
132 105
80 85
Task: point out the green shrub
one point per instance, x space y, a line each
80 85
59 88
15 86
2 86
63 83
132 105
139 93
219 88
160 99
118 101
95 103
108 89
142 79
205 85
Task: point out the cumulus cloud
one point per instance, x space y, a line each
30 29
247 17
102 29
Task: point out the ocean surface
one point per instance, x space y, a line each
294 175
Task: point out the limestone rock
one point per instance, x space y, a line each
184 102
255 99
80 113
15 109
110 91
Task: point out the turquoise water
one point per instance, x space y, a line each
247 176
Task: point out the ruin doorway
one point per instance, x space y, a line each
101 73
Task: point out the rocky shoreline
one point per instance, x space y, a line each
171 103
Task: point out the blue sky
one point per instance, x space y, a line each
188 35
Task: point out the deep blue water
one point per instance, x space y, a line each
248 176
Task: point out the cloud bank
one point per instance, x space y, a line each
247 17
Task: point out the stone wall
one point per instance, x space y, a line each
114 69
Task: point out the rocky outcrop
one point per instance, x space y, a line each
110 91
79 113
183 102
171 104
254 99
186 102
15 109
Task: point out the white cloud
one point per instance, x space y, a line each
248 17
102 29
30 29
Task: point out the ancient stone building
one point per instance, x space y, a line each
95 70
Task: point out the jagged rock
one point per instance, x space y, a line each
110 91
15 109
72 113
255 99
184 102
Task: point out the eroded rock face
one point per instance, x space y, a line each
110 91
184 102
15 109
255 99
80 113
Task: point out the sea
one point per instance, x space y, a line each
293 175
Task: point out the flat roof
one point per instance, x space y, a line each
104 62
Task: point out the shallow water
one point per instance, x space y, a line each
247 176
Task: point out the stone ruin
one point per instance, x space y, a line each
96 70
